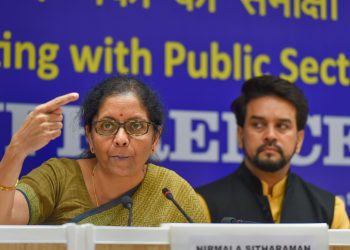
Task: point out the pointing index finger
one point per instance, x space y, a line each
59 101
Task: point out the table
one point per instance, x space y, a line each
90 237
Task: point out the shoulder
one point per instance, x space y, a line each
61 162
58 166
317 191
218 185
165 174
158 177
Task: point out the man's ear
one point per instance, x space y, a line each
240 136
300 140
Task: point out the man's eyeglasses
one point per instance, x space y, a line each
111 127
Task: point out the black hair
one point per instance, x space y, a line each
271 86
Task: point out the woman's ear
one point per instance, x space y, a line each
89 138
156 139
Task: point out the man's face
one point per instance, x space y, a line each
269 136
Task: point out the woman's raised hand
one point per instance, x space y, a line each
42 125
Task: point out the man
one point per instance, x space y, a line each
271 116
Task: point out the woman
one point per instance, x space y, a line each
123 122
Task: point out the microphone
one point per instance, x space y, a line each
234 220
170 196
127 203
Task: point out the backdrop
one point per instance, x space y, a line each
195 54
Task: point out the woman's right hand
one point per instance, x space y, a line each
41 126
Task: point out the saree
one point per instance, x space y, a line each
56 194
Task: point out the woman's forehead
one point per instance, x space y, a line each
122 105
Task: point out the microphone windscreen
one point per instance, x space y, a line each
167 193
228 220
126 201
234 220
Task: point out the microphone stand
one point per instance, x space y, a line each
127 203
170 197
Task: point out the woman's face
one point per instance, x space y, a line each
120 153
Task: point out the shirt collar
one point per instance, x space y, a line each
277 190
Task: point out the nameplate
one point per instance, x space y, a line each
248 236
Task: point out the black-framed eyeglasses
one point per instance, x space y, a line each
111 127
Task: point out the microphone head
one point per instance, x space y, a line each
126 201
167 193
234 220
229 220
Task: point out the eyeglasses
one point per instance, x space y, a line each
111 127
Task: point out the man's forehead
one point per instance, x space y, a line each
271 107
262 118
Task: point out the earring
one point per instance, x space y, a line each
92 149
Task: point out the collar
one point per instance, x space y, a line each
278 189
260 187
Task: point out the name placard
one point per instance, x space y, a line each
248 236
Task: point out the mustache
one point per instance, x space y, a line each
270 144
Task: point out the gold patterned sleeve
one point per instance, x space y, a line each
205 206
39 190
340 217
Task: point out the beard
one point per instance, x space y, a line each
269 164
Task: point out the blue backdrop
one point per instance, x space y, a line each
196 54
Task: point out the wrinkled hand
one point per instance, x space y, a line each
42 125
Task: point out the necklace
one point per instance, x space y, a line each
93 183
93 186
